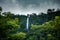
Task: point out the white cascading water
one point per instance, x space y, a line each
27 25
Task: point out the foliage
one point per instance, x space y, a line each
48 27
18 35
42 26
13 23
7 24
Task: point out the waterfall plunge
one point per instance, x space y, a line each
27 24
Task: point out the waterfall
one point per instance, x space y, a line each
27 24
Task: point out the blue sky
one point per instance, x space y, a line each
28 6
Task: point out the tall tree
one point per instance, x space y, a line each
0 10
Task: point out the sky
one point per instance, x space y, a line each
24 7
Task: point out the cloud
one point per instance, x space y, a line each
28 6
14 1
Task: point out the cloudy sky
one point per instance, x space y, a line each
28 6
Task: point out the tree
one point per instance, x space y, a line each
0 10
48 29
7 24
18 36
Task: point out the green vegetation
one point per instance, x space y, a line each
18 36
42 26
49 29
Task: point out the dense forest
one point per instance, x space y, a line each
44 26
